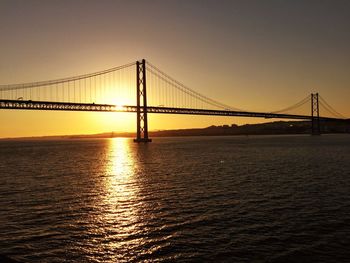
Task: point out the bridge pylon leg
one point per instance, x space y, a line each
315 115
141 100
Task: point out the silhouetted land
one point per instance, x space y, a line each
269 128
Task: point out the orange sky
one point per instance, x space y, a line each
254 55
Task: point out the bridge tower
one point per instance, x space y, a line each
141 100
315 115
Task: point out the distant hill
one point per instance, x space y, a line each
269 128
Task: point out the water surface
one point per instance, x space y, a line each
234 199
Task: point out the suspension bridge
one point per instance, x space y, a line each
143 88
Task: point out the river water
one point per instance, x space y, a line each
222 199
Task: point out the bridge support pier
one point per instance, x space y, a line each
315 115
141 101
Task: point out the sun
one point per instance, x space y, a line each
119 105
119 99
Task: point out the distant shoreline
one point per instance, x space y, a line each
269 128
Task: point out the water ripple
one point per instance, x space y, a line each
222 199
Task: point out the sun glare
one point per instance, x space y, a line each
119 107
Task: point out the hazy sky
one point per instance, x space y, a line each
256 55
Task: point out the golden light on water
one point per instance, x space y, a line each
121 163
121 185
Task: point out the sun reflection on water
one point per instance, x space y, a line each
121 160
122 214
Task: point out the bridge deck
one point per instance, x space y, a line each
69 106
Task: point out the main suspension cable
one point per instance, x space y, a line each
62 80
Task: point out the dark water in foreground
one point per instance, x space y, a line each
234 199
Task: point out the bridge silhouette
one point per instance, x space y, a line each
144 89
